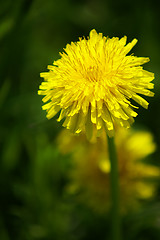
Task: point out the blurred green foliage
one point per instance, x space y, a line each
33 174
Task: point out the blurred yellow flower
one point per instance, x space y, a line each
92 84
89 178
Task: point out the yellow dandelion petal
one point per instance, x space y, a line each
93 82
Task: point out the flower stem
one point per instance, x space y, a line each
114 185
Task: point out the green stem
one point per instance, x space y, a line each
114 185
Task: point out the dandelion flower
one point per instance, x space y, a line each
90 174
93 82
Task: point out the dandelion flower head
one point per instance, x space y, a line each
90 174
91 85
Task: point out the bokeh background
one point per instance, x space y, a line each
33 172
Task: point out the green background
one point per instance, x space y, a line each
33 173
